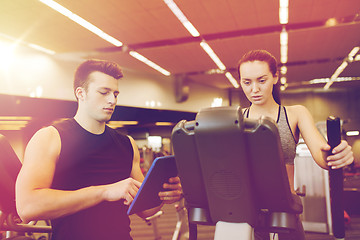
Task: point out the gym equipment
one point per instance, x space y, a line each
233 176
152 220
181 229
336 180
9 169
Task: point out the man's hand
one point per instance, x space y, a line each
125 189
175 191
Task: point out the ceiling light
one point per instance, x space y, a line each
13 122
284 15
212 55
57 7
283 37
217 102
232 80
338 79
283 59
215 71
123 122
10 127
143 59
283 54
284 11
283 46
319 80
164 124
179 14
357 57
353 53
352 133
342 66
331 22
283 70
118 124
284 3
339 70
22 118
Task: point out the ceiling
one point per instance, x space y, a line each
230 27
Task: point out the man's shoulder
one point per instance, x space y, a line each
117 134
46 136
64 123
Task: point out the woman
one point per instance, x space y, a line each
259 81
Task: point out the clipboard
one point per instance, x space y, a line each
159 173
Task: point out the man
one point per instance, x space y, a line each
82 174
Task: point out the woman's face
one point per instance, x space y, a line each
257 81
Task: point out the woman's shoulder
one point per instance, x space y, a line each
298 111
296 108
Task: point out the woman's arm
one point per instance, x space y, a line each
342 154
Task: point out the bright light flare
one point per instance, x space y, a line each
79 20
41 49
7 55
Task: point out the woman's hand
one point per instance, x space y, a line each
342 155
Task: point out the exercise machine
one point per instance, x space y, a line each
233 176
9 220
336 179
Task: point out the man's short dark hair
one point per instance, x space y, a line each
95 65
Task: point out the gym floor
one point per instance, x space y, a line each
167 222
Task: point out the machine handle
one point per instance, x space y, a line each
336 180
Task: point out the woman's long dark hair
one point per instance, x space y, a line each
263 56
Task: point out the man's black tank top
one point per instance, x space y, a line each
88 159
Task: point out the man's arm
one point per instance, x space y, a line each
34 198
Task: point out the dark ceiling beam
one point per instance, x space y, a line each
353 19
50 109
288 64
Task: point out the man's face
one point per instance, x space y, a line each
101 96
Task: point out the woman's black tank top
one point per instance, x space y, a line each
88 159
288 142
